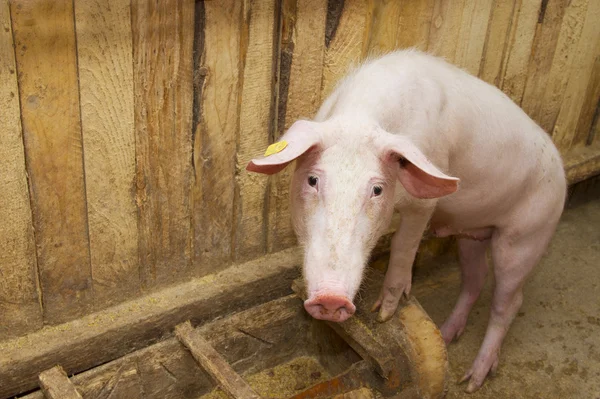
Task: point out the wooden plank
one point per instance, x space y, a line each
519 49
163 34
44 36
564 55
103 336
496 42
215 137
415 24
582 163
255 127
348 46
471 36
104 56
303 100
445 27
56 385
213 363
385 28
578 80
544 46
20 303
590 108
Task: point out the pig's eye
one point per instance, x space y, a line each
377 190
312 181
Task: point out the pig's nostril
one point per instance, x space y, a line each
330 307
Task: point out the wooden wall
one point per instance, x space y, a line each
126 125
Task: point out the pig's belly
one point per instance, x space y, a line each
476 221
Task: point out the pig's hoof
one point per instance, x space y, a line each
478 372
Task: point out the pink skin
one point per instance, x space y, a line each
413 119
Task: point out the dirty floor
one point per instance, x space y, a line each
553 347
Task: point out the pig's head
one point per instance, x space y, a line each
342 196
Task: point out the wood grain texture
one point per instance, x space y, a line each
498 33
519 49
385 28
472 33
582 163
215 137
303 100
415 24
348 46
104 56
20 304
213 363
163 35
590 110
44 36
445 27
562 62
56 385
544 46
579 77
255 127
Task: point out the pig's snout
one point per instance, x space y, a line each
330 307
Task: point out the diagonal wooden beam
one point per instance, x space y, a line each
213 363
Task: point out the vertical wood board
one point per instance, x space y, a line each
496 42
347 47
104 52
255 127
215 137
519 49
303 100
44 36
544 46
445 27
579 79
163 35
385 28
472 33
562 63
20 305
590 109
415 24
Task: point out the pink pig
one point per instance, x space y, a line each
470 163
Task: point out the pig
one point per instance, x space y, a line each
454 156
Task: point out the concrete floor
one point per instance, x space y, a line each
553 347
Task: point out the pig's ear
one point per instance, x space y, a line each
419 177
299 138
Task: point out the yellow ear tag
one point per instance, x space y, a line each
275 148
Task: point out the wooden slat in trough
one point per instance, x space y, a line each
213 363
56 384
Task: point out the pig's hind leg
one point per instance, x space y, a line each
515 252
474 269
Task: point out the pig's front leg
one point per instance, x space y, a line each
405 243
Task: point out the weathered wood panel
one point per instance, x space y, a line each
544 46
44 36
566 47
579 77
590 111
445 27
104 56
348 45
257 47
415 24
20 305
385 27
524 24
303 100
217 107
163 34
472 34
496 41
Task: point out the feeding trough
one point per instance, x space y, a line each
276 350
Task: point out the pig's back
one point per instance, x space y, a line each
467 127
